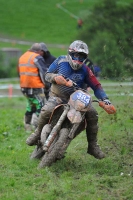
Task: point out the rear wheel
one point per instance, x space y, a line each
56 150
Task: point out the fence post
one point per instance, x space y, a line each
10 91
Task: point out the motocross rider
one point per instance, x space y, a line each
72 66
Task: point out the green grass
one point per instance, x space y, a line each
79 175
43 21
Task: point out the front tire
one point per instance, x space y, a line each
56 149
37 153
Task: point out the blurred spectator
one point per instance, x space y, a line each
97 71
32 66
80 23
89 63
49 58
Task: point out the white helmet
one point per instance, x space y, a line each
77 54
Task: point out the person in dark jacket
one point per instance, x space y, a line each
49 58
90 64
45 53
72 67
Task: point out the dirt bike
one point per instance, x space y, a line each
65 123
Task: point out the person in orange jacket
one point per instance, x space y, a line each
32 68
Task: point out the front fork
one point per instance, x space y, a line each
55 129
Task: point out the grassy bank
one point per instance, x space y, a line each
78 175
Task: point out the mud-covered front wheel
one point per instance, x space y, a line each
38 151
57 150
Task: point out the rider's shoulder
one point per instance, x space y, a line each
62 58
85 68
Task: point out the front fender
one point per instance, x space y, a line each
74 116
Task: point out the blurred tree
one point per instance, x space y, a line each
107 55
8 70
109 34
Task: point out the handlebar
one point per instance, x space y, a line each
110 109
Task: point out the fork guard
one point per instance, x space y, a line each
55 129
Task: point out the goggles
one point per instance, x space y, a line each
78 56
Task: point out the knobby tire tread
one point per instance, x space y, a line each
51 156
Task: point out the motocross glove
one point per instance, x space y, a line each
107 102
60 80
109 108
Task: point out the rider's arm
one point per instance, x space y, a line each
52 71
95 85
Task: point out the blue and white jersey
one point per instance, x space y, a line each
81 76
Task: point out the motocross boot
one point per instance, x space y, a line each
91 132
27 123
34 137
43 119
94 149
44 116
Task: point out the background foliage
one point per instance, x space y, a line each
78 176
107 29
109 34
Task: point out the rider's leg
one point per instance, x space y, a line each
44 116
28 116
27 121
91 132
37 104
